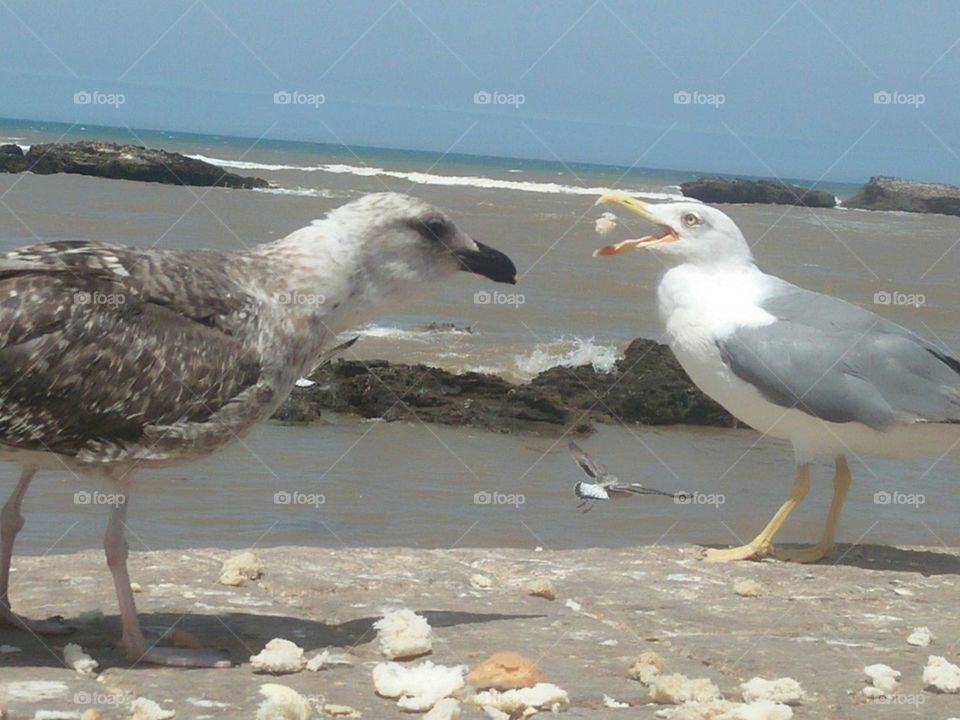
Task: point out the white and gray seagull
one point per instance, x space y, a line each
830 377
114 358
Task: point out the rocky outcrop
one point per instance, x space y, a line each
12 159
769 192
647 386
120 162
890 193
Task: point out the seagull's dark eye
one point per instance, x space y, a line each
691 220
434 228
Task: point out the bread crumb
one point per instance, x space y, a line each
613 702
646 667
605 224
279 656
941 674
759 710
334 710
517 702
326 659
542 587
446 709
677 689
144 709
786 691
283 703
748 588
883 678
417 688
238 569
480 582
76 659
403 634
921 636
505 671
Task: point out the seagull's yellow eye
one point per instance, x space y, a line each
691 220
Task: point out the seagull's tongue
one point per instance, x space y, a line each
623 246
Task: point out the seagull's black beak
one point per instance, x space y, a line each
488 262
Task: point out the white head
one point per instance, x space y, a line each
383 249
690 232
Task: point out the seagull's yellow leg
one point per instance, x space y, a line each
841 483
762 544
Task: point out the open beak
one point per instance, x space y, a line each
488 262
667 234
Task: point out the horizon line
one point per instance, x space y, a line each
810 184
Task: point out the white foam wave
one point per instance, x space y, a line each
568 352
424 178
14 141
395 333
299 191
246 165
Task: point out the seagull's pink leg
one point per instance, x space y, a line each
11 521
132 640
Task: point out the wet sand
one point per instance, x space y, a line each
818 624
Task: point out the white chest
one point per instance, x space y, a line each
699 305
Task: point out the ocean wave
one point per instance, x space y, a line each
421 335
568 352
14 141
246 165
425 178
300 192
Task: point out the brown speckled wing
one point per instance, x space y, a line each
101 345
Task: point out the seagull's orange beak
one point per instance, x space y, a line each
668 234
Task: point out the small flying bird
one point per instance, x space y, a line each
115 359
831 377
604 484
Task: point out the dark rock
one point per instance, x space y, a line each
12 159
768 192
890 193
447 327
646 387
124 162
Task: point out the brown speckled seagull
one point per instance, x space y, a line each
114 358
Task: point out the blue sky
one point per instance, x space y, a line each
778 87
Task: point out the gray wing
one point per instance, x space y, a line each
591 466
107 351
841 363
